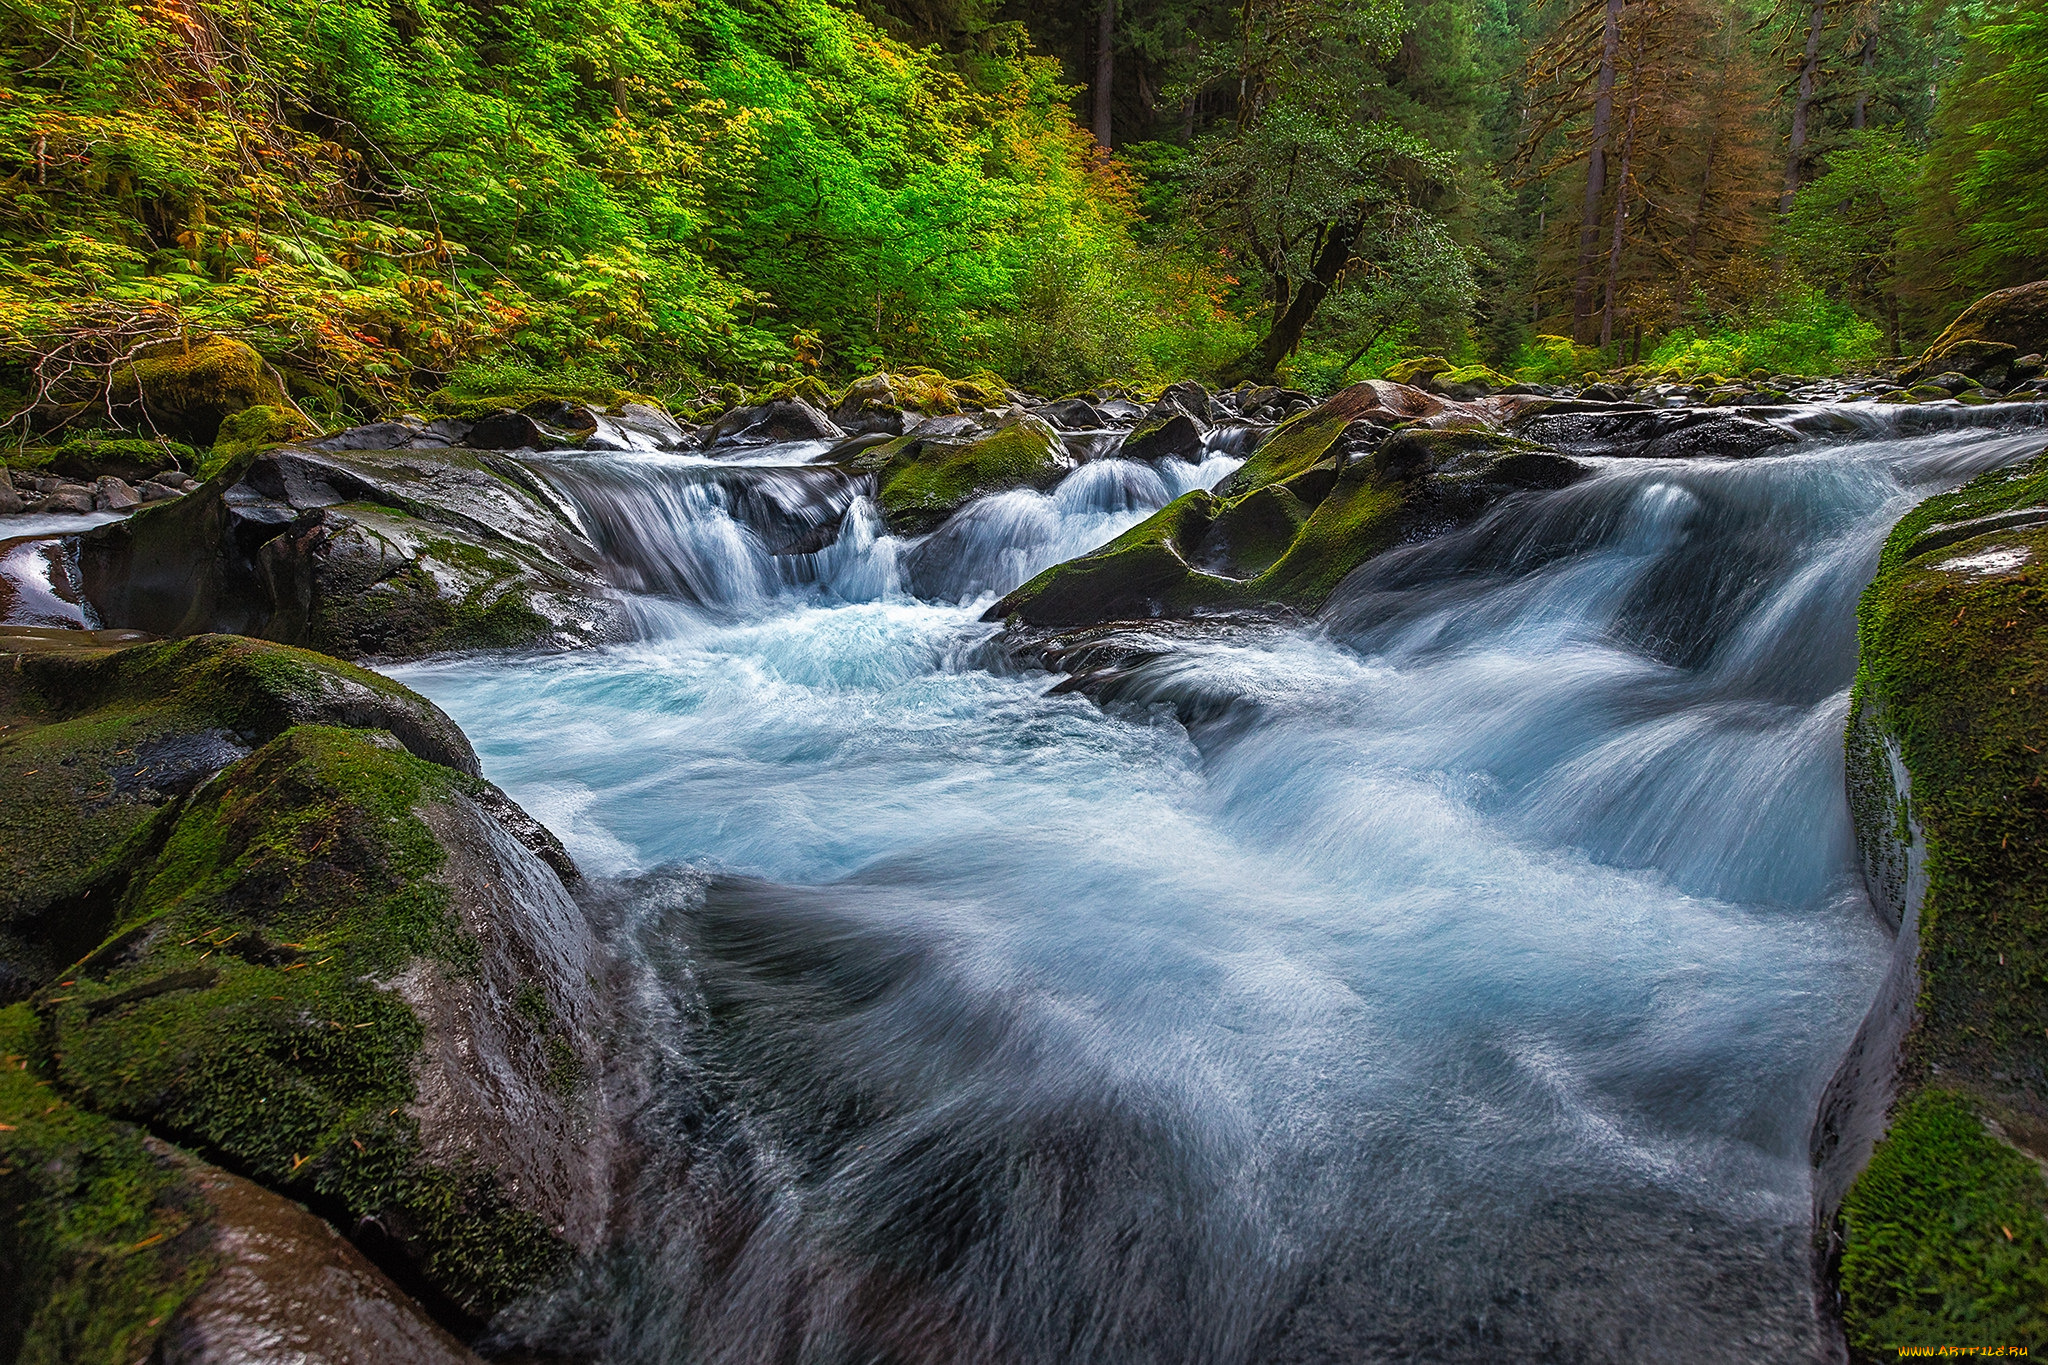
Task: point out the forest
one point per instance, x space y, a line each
697 198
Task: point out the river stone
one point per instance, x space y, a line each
784 419
356 553
505 430
926 475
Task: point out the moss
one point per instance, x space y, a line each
1141 571
101 1240
1946 1236
1479 375
1292 447
1953 677
254 429
238 1008
1360 518
98 742
1954 670
923 482
187 390
87 456
1418 369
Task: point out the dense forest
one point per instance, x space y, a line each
689 197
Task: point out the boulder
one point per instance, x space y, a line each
10 501
350 971
356 553
259 428
1321 495
784 419
1929 1139
68 499
1649 433
1418 370
87 457
187 389
1071 414
2016 317
111 494
944 463
101 743
503 430
1165 431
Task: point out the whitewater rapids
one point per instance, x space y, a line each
1450 979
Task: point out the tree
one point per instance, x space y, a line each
1844 227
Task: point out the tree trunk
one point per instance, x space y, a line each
1859 117
1802 107
1596 170
1338 239
1105 69
1628 147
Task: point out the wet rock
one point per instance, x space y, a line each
1942 758
356 553
785 419
504 430
1321 495
352 971
111 494
1071 414
1166 431
942 464
1952 382
10 500
66 499
1650 433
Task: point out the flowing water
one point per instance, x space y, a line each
1449 979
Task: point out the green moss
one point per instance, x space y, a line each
922 483
1952 677
1289 449
410 610
1954 670
87 456
1360 518
100 1239
1418 369
238 1007
1946 1236
187 390
254 429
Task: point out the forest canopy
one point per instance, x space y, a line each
678 195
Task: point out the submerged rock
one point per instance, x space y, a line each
1942 1233
356 553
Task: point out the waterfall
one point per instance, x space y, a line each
1451 979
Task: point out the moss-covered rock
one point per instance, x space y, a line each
2016 317
356 553
116 1247
186 389
93 454
98 744
940 466
1947 758
1310 506
1945 1236
257 428
1418 370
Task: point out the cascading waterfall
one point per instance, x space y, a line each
1451 980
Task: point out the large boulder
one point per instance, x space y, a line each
1598 428
349 972
943 463
101 743
1929 1139
186 389
1174 426
782 419
1996 329
356 553
1324 493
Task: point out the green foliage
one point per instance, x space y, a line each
1946 1236
1553 360
1844 227
652 190
1982 221
1805 333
